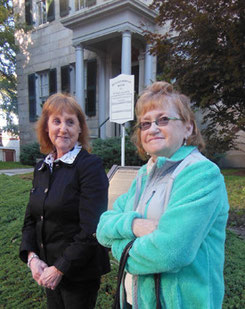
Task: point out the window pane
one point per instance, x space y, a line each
64 7
91 3
50 10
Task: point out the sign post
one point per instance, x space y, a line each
122 104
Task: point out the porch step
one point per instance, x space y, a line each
120 178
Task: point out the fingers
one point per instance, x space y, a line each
142 227
50 278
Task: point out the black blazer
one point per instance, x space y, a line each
62 216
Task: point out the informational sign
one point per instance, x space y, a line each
122 98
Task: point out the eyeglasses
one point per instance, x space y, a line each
160 122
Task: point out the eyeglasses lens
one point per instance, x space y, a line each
163 121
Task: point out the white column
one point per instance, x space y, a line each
148 66
126 53
125 69
80 76
141 60
102 87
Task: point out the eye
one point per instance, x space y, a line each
56 121
70 122
144 125
163 120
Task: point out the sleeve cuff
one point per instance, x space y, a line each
62 265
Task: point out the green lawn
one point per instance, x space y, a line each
235 184
19 291
12 165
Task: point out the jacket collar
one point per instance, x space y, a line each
67 158
178 156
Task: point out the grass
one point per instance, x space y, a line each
12 165
19 291
235 184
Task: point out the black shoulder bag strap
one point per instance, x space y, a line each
122 264
157 278
120 276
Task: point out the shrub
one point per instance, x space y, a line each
29 154
109 150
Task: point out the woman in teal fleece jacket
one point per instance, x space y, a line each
176 210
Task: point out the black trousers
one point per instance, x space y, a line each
76 296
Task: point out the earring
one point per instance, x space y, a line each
185 142
147 153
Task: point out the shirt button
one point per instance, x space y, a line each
41 245
41 218
46 190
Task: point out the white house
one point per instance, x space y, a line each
9 147
77 46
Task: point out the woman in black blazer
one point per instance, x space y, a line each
68 196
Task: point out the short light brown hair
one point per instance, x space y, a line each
156 96
57 103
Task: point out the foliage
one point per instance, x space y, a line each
18 289
29 153
8 49
203 53
109 150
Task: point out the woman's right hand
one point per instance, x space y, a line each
37 267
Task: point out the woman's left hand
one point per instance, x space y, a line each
50 277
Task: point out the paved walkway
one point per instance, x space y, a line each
17 171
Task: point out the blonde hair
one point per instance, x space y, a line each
57 103
156 96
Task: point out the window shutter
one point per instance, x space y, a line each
64 8
65 79
50 10
90 107
52 81
28 12
32 97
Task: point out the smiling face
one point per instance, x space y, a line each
63 130
166 140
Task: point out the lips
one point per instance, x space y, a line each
155 139
63 137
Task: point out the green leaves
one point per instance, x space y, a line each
204 53
8 49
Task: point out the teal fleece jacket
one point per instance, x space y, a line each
187 247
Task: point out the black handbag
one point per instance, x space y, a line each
121 273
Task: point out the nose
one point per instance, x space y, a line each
63 127
153 128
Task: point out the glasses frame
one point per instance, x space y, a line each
157 122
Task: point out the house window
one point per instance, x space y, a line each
68 79
38 12
64 8
45 11
40 86
28 12
90 106
80 4
43 86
